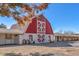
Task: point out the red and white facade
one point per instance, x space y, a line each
38 30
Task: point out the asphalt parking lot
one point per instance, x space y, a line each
67 44
60 44
64 48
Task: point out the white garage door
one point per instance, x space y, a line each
2 41
9 41
6 41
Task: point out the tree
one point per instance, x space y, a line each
16 10
3 26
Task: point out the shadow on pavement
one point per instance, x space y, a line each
13 54
55 44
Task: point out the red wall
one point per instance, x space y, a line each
32 28
48 28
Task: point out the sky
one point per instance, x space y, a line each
62 17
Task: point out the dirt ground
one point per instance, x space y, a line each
38 50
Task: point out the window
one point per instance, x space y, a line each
8 36
16 35
58 37
41 27
31 37
41 38
50 39
24 41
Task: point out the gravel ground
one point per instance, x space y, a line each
70 48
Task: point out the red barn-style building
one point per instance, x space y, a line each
38 30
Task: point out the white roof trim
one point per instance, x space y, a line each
10 31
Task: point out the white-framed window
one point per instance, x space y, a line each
8 36
41 26
49 38
31 37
